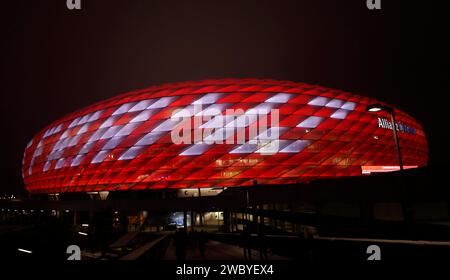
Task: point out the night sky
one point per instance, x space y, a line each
54 60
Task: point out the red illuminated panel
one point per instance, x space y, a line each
233 132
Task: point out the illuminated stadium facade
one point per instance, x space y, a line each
218 133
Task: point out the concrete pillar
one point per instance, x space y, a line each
192 220
226 221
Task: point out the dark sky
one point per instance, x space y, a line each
54 61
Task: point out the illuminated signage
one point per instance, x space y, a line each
384 123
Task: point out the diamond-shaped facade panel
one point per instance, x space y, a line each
218 133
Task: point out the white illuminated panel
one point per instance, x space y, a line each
167 125
111 132
280 98
319 101
113 142
340 114
208 98
84 119
60 163
127 129
296 146
109 122
150 138
196 149
311 122
143 116
100 157
185 112
77 160
162 102
335 103
83 129
247 148
95 116
142 105
213 110
349 105
124 108
131 153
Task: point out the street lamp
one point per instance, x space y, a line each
406 205
390 110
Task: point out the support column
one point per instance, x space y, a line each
185 220
192 220
226 221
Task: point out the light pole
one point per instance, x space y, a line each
406 205
390 110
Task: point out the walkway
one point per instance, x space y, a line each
216 250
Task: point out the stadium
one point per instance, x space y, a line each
219 134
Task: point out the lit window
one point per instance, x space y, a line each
131 153
311 122
280 98
208 98
319 101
